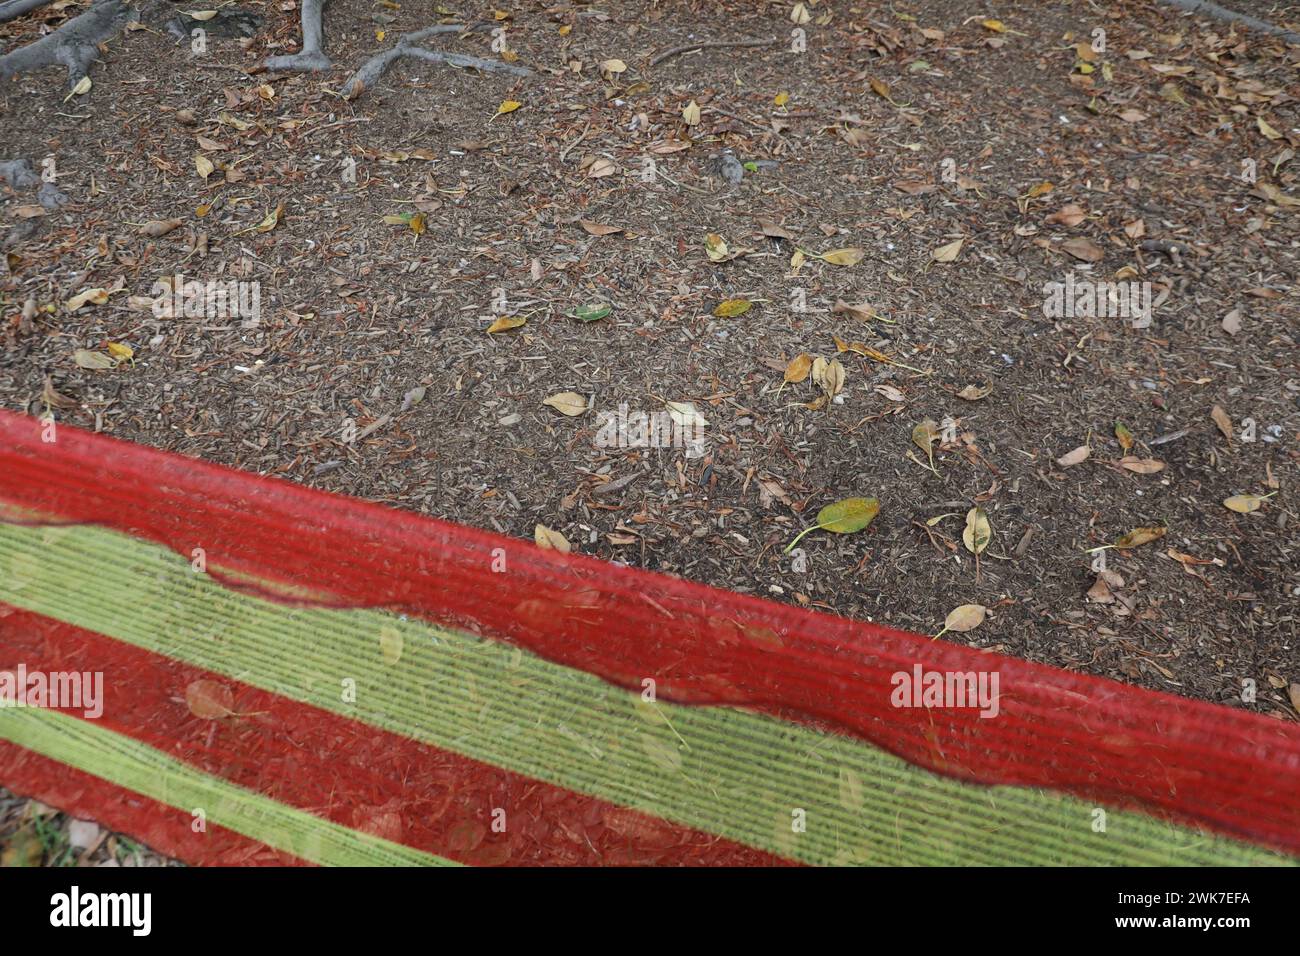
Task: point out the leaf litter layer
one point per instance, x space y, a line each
834 252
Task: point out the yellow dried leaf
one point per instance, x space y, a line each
1244 504
1140 536
978 532
691 113
844 257
1268 131
548 539
798 368
505 323
732 308
1123 436
272 220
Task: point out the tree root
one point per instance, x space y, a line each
377 65
74 45
18 174
1210 9
312 58
11 9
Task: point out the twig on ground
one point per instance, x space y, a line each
711 45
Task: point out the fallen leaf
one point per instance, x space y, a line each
924 435
691 113
864 312
1223 421
1070 215
1083 249
203 166
123 353
1244 504
598 229
159 227
505 323
686 415
732 308
1100 592
209 700
978 532
272 219
97 296
798 368
1079 454
1140 536
715 247
93 360
1232 322
842 517
592 311
1142 466
965 617
947 253
973 393
844 257
568 403
1123 436
548 539
507 106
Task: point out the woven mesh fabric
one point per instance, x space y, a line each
394 689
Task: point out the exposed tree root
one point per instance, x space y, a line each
74 45
312 58
18 174
1208 8
16 8
377 65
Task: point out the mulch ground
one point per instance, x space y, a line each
901 130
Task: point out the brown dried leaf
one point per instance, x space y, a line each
1074 457
1083 249
209 700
